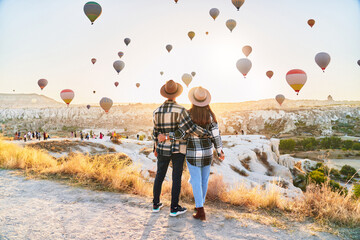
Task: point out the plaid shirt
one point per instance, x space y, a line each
199 151
170 117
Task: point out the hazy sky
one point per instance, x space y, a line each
55 40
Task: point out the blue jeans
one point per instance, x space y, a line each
199 178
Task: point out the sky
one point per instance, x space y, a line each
56 41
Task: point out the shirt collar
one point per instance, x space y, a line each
170 101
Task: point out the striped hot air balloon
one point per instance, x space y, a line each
191 35
92 11
296 78
42 83
231 24
106 104
238 3
67 95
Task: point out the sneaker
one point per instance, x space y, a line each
177 211
157 207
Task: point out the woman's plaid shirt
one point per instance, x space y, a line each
170 117
199 151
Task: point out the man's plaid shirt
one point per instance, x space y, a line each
199 151
170 117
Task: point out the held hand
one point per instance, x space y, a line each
222 156
155 153
161 137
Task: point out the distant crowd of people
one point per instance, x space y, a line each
34 135
87 136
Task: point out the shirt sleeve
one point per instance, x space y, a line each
215 137
186 125
155 132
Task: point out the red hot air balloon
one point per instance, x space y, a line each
93 60
296 78
67 95
42 83
116 84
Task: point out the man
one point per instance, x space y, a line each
167 119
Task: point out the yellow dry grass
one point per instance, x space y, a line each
115 172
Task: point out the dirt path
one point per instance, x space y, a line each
41 209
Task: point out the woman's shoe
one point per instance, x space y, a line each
200 214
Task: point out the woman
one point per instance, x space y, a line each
199 151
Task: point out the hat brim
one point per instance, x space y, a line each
196 102
173 95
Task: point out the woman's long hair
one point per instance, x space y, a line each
202 115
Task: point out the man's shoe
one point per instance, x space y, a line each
157 207
175 211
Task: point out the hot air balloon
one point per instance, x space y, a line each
247 50
191 35
358 62
231 24
93 60
193 74
280 98
322 60
116 84
137 85
186 78
106 104
127 41
120 54
270 74
311 22
88 106
13 90
238 3
176 1
67 95
94 92
244 65
119 65
92 11
161 73
296 78
207 33
169 47
42 83
214 13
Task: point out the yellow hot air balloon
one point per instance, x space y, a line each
106 104
238 3
186 78
311 22
247 50
280 99
214 13
67 95
270 74
191 35
92 11
231 24
296 78
322 60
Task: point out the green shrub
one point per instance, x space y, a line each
356 146
287 144
335 173
356 190
348 171
348 144
317 176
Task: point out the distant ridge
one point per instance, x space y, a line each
31 100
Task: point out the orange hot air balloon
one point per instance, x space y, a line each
137 85
311 22
207 33
296 78
106 104
191 35
42 83
270 74
116 84
67 95
93 60
280 99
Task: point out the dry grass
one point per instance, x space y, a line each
245 163
239 171
115 172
